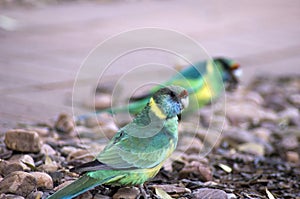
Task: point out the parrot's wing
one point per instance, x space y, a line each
128 152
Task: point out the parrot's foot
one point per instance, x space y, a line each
143 192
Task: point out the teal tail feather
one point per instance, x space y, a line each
77 187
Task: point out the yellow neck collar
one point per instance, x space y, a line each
156 110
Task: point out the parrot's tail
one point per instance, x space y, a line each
78 187
133 108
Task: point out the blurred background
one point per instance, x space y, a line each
43 43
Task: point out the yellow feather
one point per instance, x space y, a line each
156 110
205 93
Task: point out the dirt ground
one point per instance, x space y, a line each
43 43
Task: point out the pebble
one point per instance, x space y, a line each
5 153
231 196
42 131
205 193
26 161
10 196
35 195
46 149
102 101
23 140
196 169
100 196
292 157
289 142
127 192
289 113
43 180
254 97
108 130
19 183
262 133
252 148
62 185
66 150
190 145
239 112
85 195
295 100
172 188
49 166
237 136
64 123
81 154
6 167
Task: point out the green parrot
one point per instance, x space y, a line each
138 150
205 81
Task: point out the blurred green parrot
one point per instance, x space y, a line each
205 81
138 150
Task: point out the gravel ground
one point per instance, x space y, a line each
255 156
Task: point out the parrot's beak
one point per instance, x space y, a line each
238 73
184 98
185 102
235 73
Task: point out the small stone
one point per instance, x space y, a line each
262 133
85 195
172 188
81 154
35 195
66 150
196 170
289 142
64 123
10 196
23 140
49 166
26 161
63 185
7 167
254 97
109 130
292 157
190 145
127 192
5 153
100 196
19 183
252 148
84 132
237 136
102 101
295 100
98 120
43 180
42 131
225 167
289 113
231 196
47 150
204 193
240 112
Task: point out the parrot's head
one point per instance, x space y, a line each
231 71
170 101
